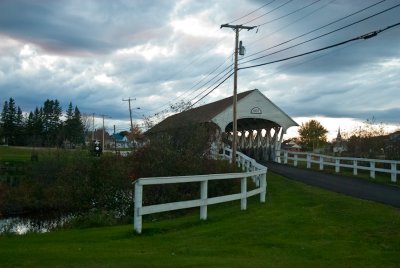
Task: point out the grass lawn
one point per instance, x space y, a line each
299 226
15 154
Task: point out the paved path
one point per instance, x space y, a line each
359 188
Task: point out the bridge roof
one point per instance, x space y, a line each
253 108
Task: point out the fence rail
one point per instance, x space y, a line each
250 166
344 162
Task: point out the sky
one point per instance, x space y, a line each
162 52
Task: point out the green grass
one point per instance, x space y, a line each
15 154
299 226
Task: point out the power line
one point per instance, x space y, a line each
336 30
284 4
210 91
364 36
319 28
229 72
252 12
297 10
214 70
287 25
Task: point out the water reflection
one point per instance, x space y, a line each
23 225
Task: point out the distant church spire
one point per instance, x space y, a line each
338 137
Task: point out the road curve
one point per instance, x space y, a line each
354 187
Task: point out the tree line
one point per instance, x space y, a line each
370 140
43 126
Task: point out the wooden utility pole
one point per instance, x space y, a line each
236 28
103 115
130 110
92 127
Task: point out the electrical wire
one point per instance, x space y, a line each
319 28
230 71
364 36
297 10
284 4
287 25
210 91
333 31
252 12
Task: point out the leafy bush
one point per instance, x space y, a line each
92 219
71 183
180 152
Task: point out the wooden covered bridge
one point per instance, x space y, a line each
260 124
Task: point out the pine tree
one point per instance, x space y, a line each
9 121
51 122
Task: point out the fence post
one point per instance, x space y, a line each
243 187
372 171
203 196
263 186
393 176
337 165
295 160
285 157
321 163
355 167
137 218
308 160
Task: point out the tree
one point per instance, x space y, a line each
10 117
51 122
367 140
312 134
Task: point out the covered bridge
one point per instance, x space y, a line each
260 123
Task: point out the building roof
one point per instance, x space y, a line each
201 114
254 110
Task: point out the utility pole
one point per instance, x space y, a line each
130 110
92 127
236 28
115 142
103 115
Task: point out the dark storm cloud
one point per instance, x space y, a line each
76 27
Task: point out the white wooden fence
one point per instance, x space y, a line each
344 162
249 165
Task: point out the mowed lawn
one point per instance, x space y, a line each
299 226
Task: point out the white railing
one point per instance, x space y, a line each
345 162
252 168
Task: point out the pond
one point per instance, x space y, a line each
35 224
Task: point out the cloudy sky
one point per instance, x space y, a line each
162 52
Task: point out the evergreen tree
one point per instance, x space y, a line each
34 128
51 122
73 126
9 121
79 130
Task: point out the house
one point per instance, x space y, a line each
119 141
291 146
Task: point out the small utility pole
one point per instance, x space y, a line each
103 115
92 127
115 142
236 28
130 110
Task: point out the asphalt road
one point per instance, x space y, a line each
354 187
